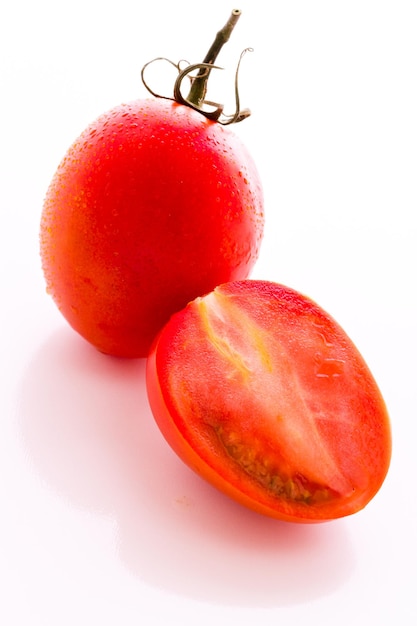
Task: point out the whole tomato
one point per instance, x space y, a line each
264 395
153 205
156 203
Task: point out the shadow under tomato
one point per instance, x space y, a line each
88 431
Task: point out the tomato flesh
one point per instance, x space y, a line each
263 394
152 206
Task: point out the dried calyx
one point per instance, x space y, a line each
196 98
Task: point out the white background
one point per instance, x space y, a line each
100 523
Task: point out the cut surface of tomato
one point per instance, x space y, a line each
264 395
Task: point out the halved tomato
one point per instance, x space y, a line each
262 393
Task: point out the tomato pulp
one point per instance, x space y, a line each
152 206
263 394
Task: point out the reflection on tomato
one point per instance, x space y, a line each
152 206
262 393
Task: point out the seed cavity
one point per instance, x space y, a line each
264 471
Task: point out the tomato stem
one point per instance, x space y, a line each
197 96
198 89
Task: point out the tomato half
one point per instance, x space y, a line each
152 206
263 394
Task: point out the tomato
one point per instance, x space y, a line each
152 206
264 395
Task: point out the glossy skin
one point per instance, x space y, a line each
262 393
152 206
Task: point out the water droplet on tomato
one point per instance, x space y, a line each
330 368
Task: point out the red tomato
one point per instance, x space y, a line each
262 393
152 206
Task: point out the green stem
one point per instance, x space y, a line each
198 89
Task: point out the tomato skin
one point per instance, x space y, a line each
261 392
152 206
